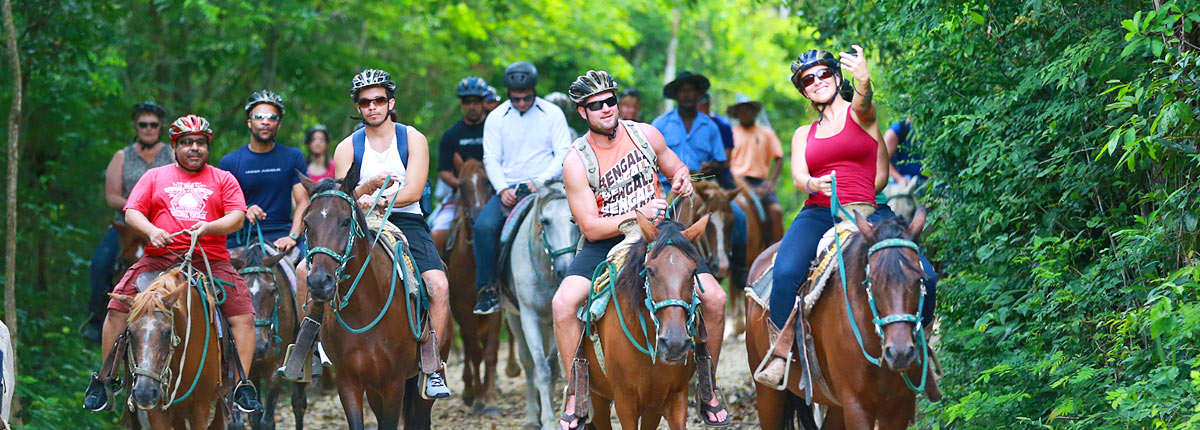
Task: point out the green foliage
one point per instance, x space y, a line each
1061 137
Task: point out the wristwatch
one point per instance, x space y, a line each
294 236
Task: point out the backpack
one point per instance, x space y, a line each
359 139
592 164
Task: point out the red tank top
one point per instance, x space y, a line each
852 153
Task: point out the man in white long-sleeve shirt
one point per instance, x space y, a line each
525 140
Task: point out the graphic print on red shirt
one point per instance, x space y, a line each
175 200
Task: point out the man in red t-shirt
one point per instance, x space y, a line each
202 201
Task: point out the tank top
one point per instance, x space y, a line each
375 162
624 161
852 153
135 166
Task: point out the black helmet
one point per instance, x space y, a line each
810 58
148 107
265 96
589 84
372 78
520 75
472 86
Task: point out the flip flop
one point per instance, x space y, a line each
705 409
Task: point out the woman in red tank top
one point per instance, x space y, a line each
844 142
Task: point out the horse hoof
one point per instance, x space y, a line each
487 412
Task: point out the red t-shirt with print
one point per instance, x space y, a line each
175 200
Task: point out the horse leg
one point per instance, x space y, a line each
265 420
857 417
627 412
531 324
351 395
602 413
299 403
531 399
897 415
511 368
491 345
416 410
471 351
835 419
199 418
387 408
772 407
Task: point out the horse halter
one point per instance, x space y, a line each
549 248
356 230
163 378
880 323
654 306
272 324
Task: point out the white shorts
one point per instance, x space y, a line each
443 217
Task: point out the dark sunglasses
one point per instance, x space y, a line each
808 79
365 103
600 104
148 125
526 99
266 116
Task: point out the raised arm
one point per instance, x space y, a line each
864 94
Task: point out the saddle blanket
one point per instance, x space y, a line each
826 264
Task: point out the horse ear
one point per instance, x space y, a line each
696 229
119 227
309 184
171 298
123 299
864 226
649 231
543 189
913 232
273 260
237 261
733 193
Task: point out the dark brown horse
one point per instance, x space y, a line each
759 235
132 244
480 334
175 355
276 320
716 244
369 339
650 382
864 395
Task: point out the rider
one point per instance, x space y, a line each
124 170
269 174
373 93
461 142
843 142
491 100
631 105
204 202
905 163
757 156
320 165
524 142
621 161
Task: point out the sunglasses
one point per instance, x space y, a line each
266 116
809 79
600 104
366 103
526 99
147 125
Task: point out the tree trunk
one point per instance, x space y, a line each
14 120
669 70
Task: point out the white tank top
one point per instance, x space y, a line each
374 163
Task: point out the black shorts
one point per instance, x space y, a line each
595 253
755 182
419 241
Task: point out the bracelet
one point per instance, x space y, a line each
806 189
294 236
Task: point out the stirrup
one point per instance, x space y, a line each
237 390
306 369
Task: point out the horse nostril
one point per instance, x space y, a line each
889 353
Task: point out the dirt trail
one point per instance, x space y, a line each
325 411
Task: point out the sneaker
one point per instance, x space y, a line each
95 398
435 386
245 398
486 302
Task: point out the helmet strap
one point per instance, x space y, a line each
610 134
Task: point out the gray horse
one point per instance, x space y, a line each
542 249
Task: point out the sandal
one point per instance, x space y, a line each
706 409
567 418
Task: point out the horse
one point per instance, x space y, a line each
865 392
758 237
716 244
174 353
132 244
480 334
367 336
542 250
276 320
657 284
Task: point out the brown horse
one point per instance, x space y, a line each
367 333
759 235
276 321
863 395
175 355
132 246
649 383
716 244
480 334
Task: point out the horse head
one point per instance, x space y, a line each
153 337
474 190
332 223
556 228
895 280
666 284
258 271
717 242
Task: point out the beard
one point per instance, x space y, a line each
270 138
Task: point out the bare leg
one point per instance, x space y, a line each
242 327
439 292
567 329
301 289
713 300
114 323
439 241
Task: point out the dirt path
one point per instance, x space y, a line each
325 411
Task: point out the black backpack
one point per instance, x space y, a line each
359 139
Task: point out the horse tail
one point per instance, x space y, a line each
798 415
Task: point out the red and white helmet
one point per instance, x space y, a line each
188 125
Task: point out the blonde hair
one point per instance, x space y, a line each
166 285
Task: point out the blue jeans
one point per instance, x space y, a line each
487 240
101 271
801 241
738 259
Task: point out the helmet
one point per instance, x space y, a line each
631 92
591 83
148 107
265 96
560 100
372 78
520 75
188 125
492 95
810 58
472 86
310 131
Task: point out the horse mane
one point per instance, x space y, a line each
470 167
710 191
152 297
630 281
891 264
330 184
554 190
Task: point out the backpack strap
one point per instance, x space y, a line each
590 163
359 139
642 142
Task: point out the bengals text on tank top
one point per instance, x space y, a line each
852 153
617 163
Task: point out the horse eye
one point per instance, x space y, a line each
345 222
545 221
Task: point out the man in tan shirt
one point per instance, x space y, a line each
756 155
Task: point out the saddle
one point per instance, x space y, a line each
512 223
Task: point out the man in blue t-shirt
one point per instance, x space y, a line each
269 175
906 164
